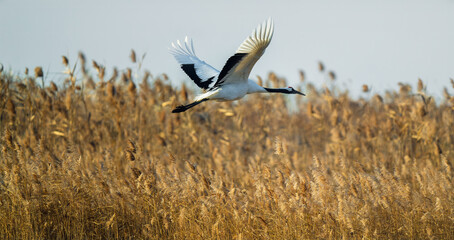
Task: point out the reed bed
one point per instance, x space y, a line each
102 157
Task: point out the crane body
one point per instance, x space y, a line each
231 83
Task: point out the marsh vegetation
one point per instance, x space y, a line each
103 157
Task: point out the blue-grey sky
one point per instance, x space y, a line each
379 43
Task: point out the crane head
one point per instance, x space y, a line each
293 91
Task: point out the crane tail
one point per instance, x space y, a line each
183 108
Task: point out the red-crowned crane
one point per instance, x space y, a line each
231 83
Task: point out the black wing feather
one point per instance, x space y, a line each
231 63
189 69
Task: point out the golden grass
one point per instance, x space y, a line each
105 159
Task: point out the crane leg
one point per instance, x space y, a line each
183 108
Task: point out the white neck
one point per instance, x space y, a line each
254 87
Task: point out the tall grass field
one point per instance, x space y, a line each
91 155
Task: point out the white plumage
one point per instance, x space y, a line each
231 83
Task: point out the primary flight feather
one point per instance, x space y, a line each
231 83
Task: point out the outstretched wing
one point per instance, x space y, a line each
239 66
200 72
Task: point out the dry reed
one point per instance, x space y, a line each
110 161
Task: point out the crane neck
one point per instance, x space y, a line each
255 88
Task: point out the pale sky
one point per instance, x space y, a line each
379 43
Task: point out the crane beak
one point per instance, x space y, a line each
300 93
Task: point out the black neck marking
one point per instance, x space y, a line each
277 90
231 63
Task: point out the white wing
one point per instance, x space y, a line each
200 72
239 66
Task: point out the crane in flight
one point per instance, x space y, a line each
231 83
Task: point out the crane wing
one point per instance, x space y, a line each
239 66
200 72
